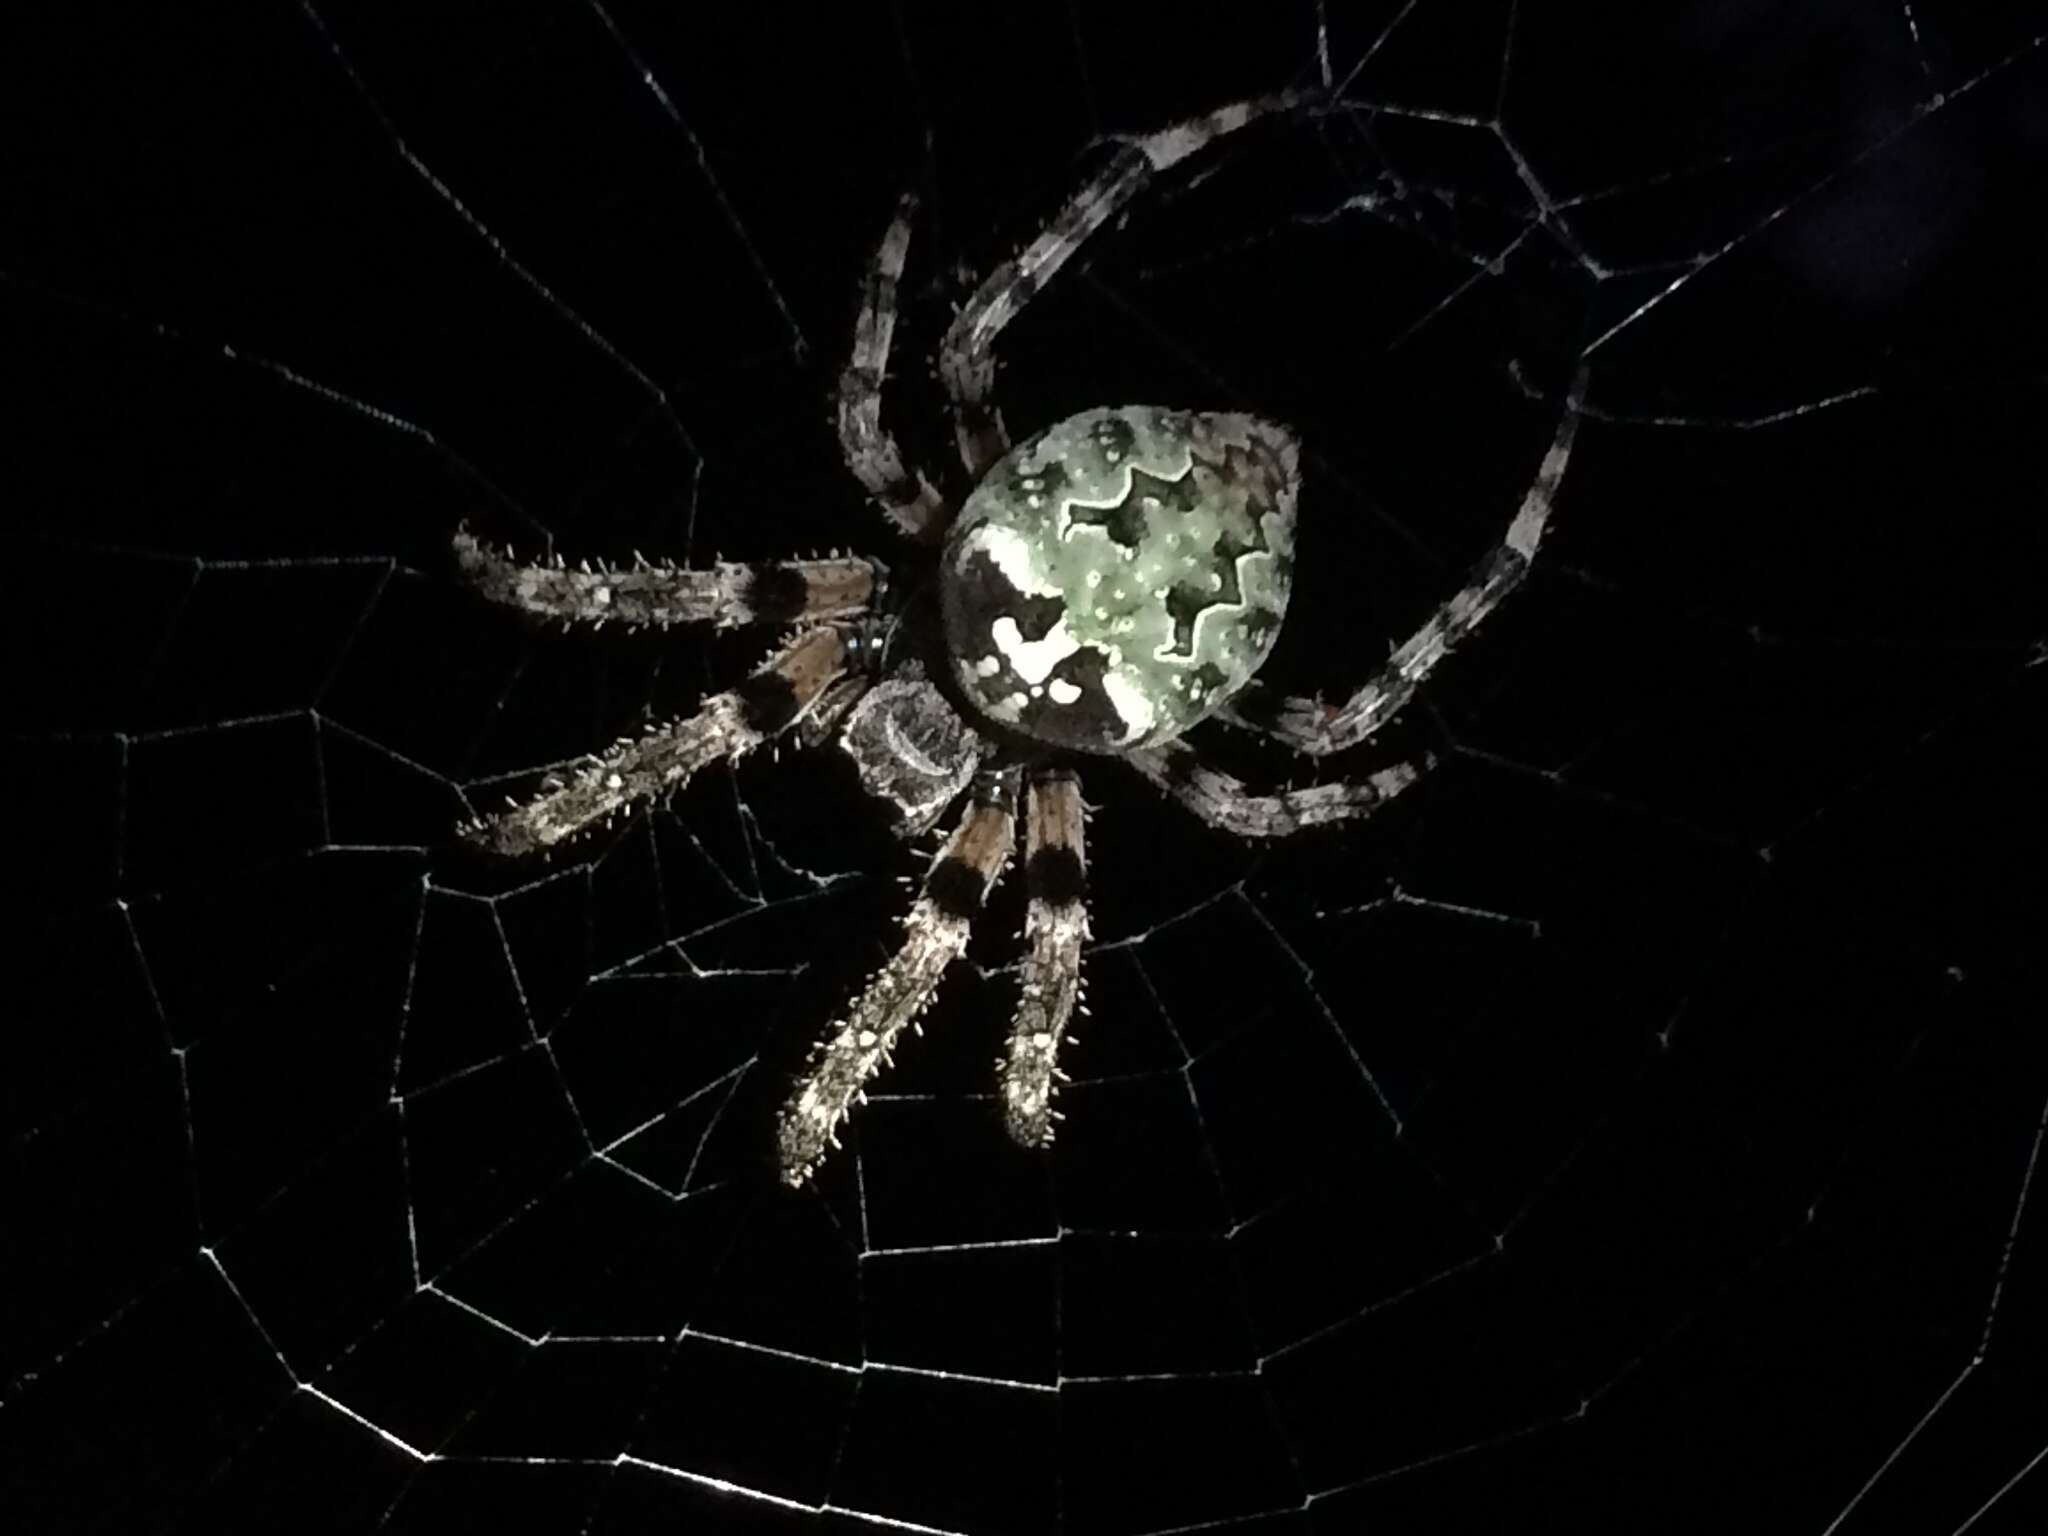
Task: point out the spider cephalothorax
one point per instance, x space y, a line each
1106 586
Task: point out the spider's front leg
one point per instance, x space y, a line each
725 595
967 361
663 760
1055 928
934 935
1310 726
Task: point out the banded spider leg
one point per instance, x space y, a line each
967 363
1311 727
816 662
935 933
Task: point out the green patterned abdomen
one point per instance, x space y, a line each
1114 579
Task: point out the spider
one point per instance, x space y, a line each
1108 584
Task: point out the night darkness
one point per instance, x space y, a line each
1634 1127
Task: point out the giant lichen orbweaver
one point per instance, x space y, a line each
1108 584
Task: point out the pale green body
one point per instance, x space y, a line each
1117 577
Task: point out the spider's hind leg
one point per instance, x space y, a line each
967 362
1311 727
934 935
903 493
1229 805
641 768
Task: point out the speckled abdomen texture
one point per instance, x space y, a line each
1117 577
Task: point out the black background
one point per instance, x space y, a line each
1631 1129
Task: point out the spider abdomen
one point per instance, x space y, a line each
1117 577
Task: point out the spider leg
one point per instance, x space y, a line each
934 934
1228 804
662 760
967 362
727 595
822 722
1055 927
1310 726
904 494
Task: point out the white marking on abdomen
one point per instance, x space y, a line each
1033 660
